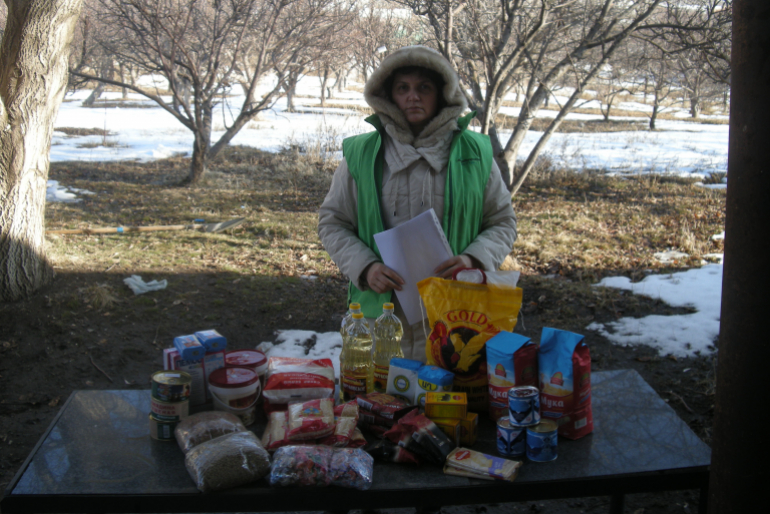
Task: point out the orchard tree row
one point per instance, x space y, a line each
205 50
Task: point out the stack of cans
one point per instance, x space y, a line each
170 402
522 432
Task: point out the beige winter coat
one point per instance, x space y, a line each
414 176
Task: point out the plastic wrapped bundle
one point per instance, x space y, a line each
353 468
227 461
322 466
205 426
301 465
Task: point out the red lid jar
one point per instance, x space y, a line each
253 359
233 378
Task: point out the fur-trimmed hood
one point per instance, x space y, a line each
392 118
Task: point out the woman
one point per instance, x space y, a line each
401 170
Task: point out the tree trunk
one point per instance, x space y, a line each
695 106
291 86
324 80
655 104
94 96
201 146
654 115
33 80
123 90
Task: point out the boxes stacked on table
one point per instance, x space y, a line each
414 382
199 355
449 411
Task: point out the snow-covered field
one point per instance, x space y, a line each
677 147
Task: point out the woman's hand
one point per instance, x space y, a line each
381 279
447 268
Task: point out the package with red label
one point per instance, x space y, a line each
401 435
357 439
385 406
291 379
277 431
388 451
346 409
312 419
565 382
511 361
435 445
345 426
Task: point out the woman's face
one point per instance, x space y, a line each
417 97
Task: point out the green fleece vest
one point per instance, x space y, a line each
470 162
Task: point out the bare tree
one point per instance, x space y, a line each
379 29
33 79
495 43
202 48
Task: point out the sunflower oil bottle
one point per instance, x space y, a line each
388 332
347 319
356 359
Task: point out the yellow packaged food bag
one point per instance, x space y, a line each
463 316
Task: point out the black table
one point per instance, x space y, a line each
97 456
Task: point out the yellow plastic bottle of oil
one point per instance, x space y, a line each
356 359
388 332
347 319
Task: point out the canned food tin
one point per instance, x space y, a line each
541 441
171 386
524 406
511 440
162 430
169 411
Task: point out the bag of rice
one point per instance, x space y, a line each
565 382
312 419
291 379
277 431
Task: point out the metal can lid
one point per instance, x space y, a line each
245 358
545 425
231 378
523 391
168 377
504 422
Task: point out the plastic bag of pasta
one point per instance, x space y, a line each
463 316
227 461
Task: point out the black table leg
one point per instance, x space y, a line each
703 501
617 503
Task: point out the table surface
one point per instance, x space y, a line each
99 446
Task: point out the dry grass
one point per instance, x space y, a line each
80 132
579 226
586 226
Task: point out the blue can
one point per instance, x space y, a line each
511 440
541 441
524 406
